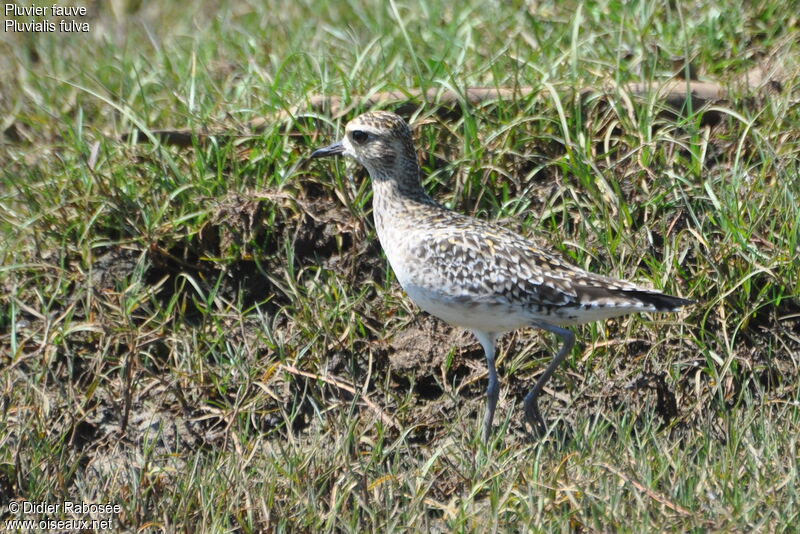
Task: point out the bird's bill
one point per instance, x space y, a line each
335 149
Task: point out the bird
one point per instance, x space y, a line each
476 274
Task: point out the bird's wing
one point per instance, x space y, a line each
482 261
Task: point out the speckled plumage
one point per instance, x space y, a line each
472 273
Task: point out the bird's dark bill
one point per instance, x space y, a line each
335 149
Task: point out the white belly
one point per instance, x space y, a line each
473 315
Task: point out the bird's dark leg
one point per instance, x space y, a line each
487 340
532 415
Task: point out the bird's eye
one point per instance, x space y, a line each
359 136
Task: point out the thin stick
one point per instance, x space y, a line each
647 491
387 420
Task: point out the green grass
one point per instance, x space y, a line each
194 333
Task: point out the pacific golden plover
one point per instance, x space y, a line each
474 274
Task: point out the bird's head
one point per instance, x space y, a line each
380 141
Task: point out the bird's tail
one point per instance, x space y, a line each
660 301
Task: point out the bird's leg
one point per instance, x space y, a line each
487 340
532 415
